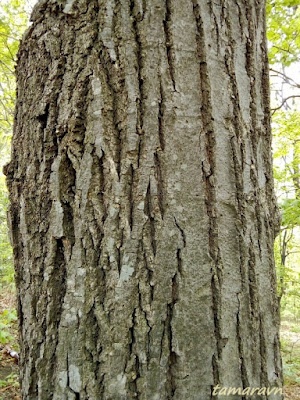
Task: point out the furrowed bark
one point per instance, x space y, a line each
142 208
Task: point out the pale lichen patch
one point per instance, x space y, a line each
63 379
126 272
57 216
68 6
74 378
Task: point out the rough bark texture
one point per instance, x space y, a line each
142 203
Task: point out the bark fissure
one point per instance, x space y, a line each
169 41
182 233
251 71
149 213
115 86
172 355
161 110
216 376
149 275
160 183
244 377
237 142
263 371
216 303
139 61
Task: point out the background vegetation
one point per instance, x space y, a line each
283 22
283 28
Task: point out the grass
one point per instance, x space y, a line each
290 351
9 383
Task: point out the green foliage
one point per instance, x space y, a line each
291 372
11 380
287 254
283 21
290 348
9 387
7 318
6 266
286 141
290 212
13 21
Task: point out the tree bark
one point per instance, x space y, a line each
142 210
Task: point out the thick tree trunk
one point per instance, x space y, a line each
142 204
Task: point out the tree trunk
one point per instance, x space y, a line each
142 205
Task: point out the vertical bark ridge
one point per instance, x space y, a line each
208 166
255 131
236 125
244 378
249 283
238 129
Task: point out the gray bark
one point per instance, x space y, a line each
142 205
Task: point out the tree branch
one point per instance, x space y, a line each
286 78
284 101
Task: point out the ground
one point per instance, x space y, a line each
9 386
290 345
